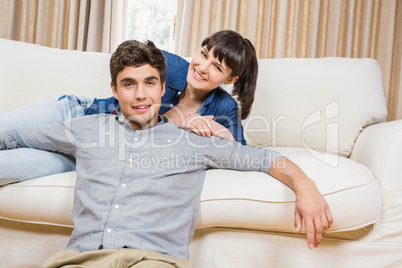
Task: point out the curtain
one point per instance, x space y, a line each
87 25
305 28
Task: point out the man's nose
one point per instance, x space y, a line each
141 92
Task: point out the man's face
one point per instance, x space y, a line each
139 91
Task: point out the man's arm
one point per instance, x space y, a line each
311 207
57 137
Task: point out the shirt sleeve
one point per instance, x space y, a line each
232 122
57 138
231 155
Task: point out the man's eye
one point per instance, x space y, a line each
151 83
128 84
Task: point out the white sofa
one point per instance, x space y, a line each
324 114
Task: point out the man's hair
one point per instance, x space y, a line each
132 53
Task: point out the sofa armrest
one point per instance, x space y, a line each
378 147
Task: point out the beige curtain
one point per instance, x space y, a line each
88 25
305 28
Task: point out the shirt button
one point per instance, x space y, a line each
121 119
108 230
107 133
130 160
171 105
135 139
116 206
169 141
123 185
179 93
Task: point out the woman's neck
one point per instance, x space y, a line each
194 95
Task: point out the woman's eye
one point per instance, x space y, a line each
203 54
218 68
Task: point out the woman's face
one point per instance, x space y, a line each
206 72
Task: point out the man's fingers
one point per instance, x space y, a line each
329 217
325 224
319 231
298 222
310 233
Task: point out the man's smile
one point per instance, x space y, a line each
141 108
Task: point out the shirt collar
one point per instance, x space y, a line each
122 120
211 95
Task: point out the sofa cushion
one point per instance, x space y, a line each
232 199
317 104
30 73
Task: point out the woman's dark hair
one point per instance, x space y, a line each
132 53
239 55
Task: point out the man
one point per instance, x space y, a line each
139 177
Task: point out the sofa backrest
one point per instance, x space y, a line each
30 73
320 104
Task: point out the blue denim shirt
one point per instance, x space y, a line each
218 103
137 189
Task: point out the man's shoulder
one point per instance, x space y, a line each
92 119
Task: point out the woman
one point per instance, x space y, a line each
193 100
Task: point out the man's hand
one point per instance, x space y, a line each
311 207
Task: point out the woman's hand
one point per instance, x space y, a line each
202 125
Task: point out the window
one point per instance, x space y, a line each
153 20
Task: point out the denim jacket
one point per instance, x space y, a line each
218 103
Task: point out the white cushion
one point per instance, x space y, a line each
45 200
257 201
233 199
30 73
318 104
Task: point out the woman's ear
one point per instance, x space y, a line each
231 80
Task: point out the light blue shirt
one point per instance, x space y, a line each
137 189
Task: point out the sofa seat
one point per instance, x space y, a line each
261 202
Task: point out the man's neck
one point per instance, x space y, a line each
138 126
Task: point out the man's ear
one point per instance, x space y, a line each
163 88
231 80
114 91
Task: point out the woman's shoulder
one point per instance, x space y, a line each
220 102
173 59
221 95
